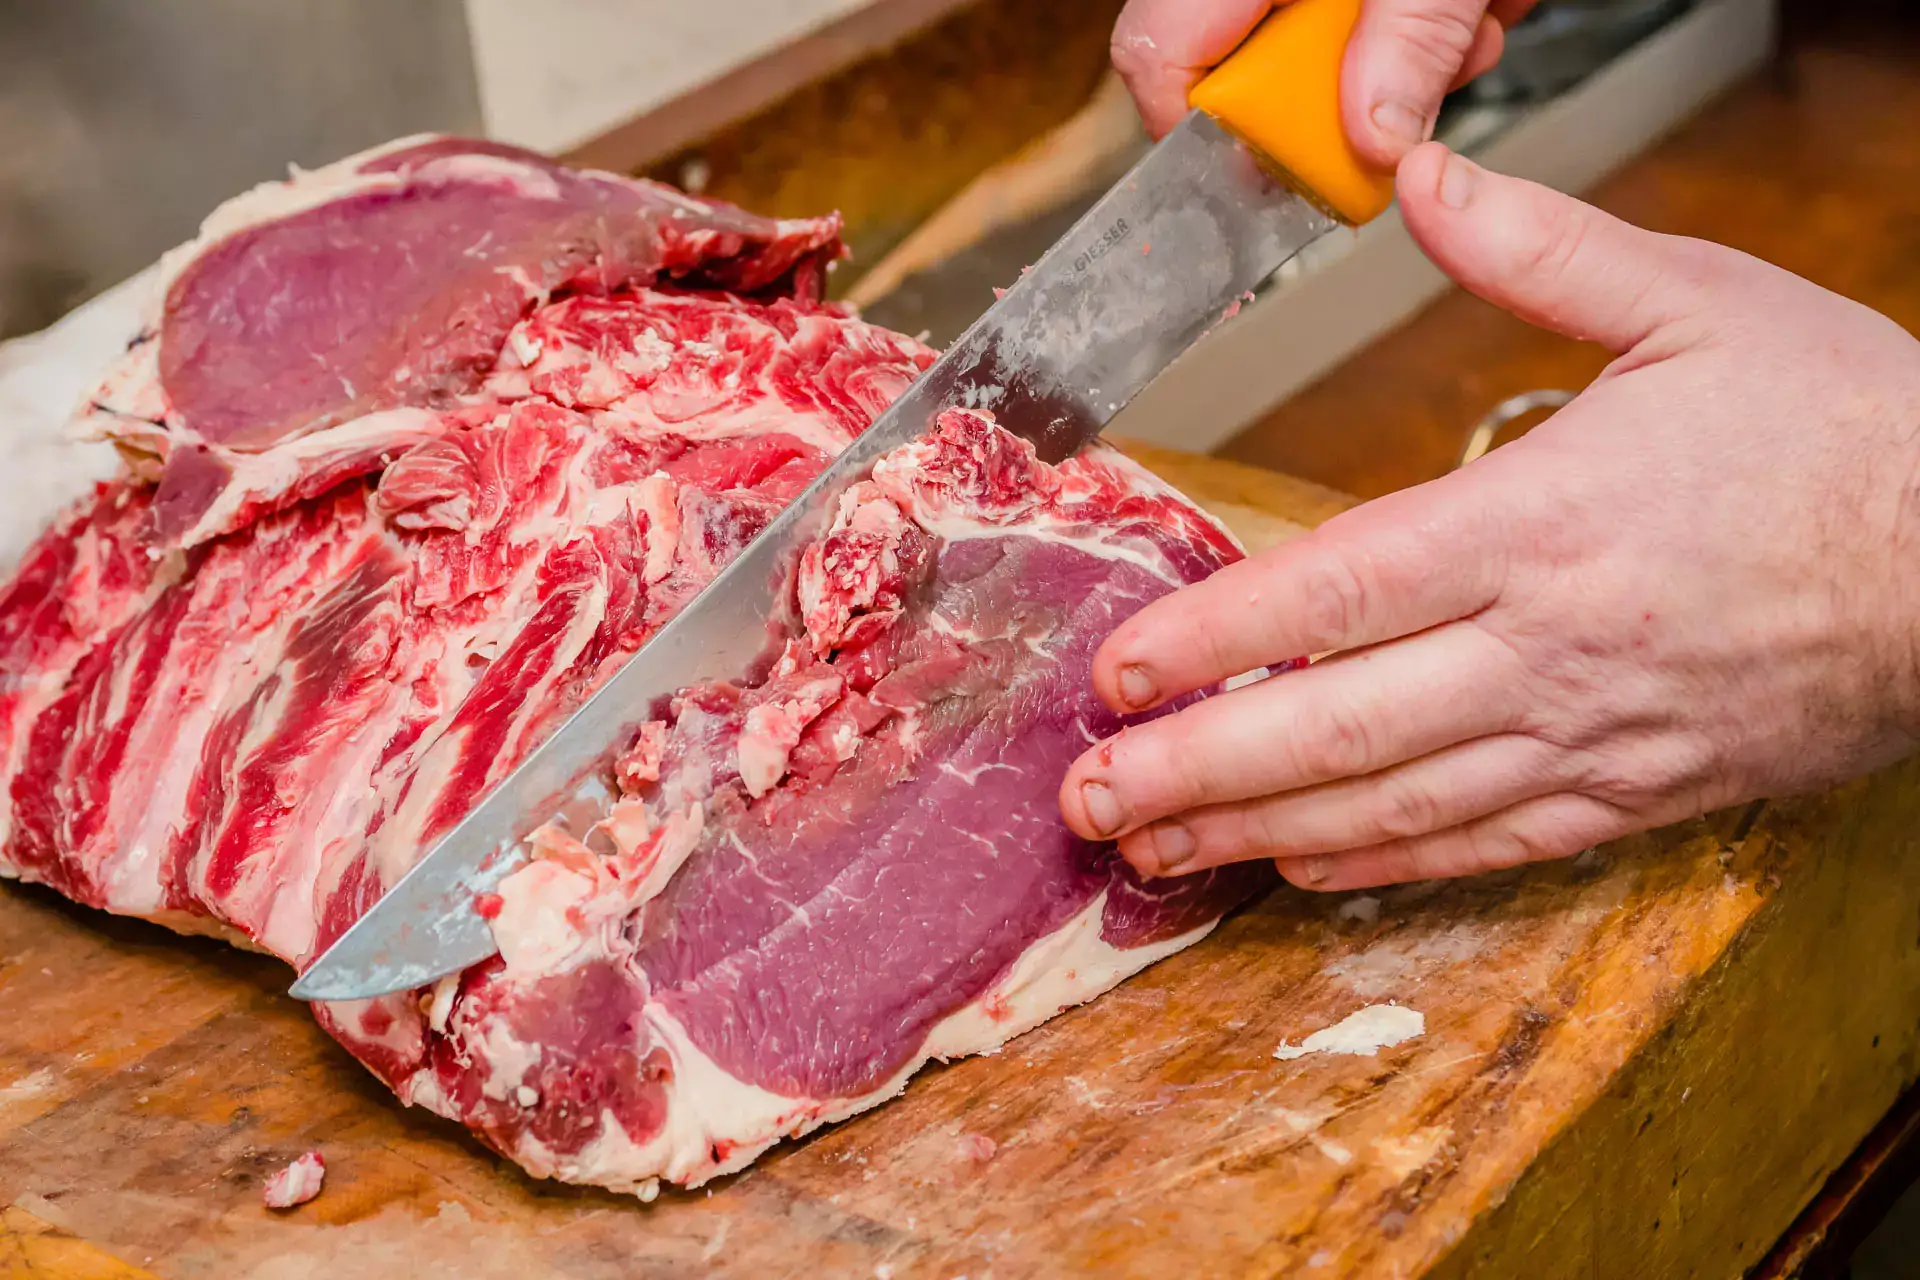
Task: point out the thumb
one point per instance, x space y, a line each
1546 257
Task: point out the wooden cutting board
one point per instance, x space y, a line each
1642 1062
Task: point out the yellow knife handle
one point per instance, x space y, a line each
1280 93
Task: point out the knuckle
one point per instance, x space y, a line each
1572 731
1554 830
1219 838
1409 809
1260 830
1637 773
1215 649
1335 604
1414 860
1473 850
1437 36
1180 778
1564 226
1334 742
1629 781
1403 863
1702 263
1506 849
1558 840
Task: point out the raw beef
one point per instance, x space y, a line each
310 329
296 1184
422 446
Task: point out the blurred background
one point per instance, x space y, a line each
124 121
957 137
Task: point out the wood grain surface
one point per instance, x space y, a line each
1642 1062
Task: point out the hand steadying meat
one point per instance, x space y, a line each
1690 587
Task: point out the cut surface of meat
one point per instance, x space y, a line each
310 332
247 713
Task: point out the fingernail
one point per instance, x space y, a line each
1172 845
1102 806
1402 123
1458 177
1315 870
1136 686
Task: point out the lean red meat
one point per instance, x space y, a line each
420 446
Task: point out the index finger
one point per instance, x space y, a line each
1162 48
1400 564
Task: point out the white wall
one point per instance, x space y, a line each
556 73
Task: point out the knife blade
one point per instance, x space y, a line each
1195 226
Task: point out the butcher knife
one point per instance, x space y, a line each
1258 170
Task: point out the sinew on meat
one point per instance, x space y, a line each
420 446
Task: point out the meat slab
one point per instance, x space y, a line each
420 447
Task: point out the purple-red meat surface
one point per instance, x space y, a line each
420 447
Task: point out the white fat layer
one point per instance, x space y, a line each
613 1148
33 697
1056 525
280 468
300 190
132 862
554 916
754 418
133 869
1103 544
43 377
535 930
679 838
1361 1034
296 1184
399 844
710 1109
658 498
188 924
128 400
290 925
441 1005
508 1059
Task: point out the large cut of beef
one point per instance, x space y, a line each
419 447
